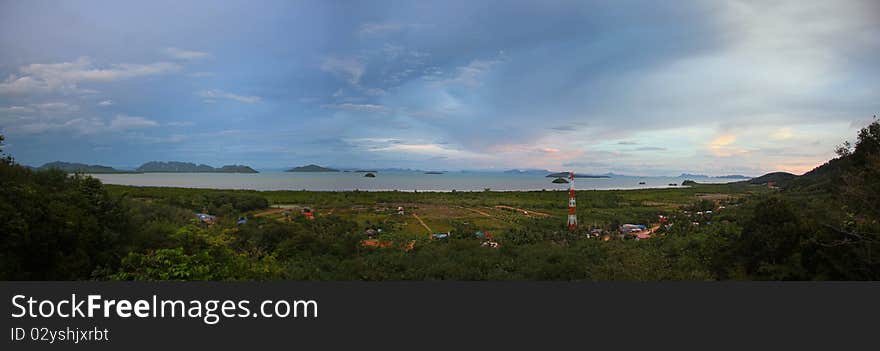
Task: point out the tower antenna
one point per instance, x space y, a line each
572 213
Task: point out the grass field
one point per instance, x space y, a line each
491 211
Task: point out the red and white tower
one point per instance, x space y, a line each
572 214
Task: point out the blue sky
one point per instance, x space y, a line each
635 87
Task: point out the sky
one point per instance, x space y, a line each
631 87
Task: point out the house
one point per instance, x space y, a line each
483 235
663 219
439 236
632 228
206 218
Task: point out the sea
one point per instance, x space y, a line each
390 181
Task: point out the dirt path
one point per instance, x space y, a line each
647 232
423 223
478 211
269 212
525 212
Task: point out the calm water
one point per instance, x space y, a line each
403 181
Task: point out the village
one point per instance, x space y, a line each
406 225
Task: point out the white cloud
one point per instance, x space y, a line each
42 108
368 29
87 125
358 107
105 103
65 76
212 95
123 122
783 134
16 109
350 69
181 54
201 74
469 75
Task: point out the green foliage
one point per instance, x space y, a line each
57 227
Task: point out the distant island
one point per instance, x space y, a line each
688 175
731 176
433 172
565 175
80 167
188 167
311 168
526 171
734 176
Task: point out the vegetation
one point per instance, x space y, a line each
79 167
312 168
819 226
776 177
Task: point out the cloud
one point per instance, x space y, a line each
105 103
87 125
382 28
124 122
185 54
180 124
350 69
722 146
16 109
358 107
783 134
210 95
202 74
42 108
627 142
651 148
65 76
470 74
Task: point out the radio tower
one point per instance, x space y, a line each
572 214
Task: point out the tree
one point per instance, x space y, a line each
7 159
770 244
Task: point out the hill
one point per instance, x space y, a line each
236 169
777 177
565 175
78 167
188 167
311 168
